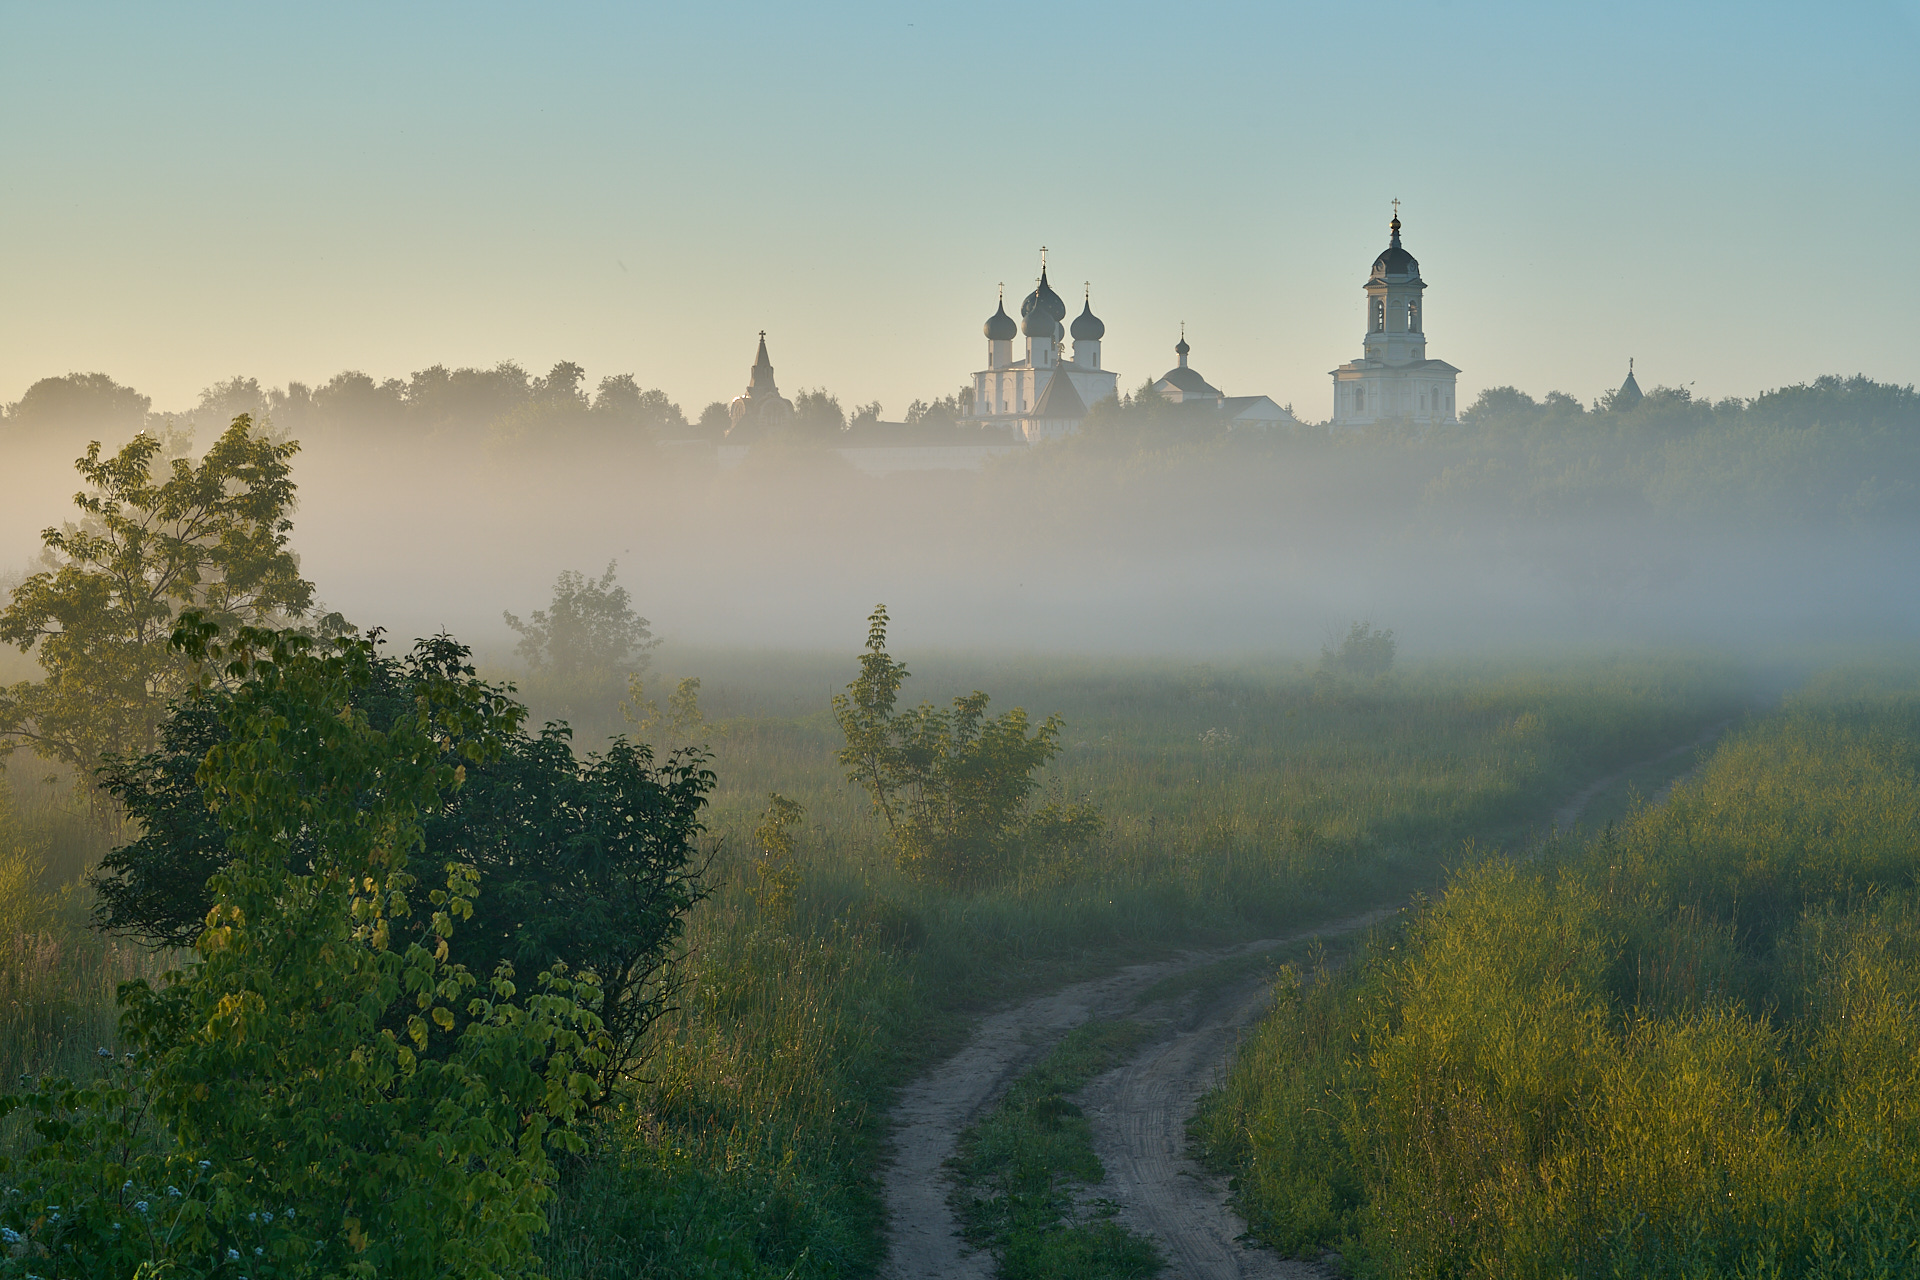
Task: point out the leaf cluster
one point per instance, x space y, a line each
588 862
363 1102
953 784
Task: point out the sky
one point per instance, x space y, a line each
190 191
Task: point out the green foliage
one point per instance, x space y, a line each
210 537
953 786
581 649
1363 652
1685 1048
322 1061
774 867
587 862
89 401
1019 1170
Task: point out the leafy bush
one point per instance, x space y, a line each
953 786
1362 652
584 862
322 1091
581 649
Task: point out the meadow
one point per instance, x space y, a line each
1683 1046
1238 798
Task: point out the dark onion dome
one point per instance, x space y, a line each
1087 326
1040 324
1181 348
1043 295
1395 261
1000 326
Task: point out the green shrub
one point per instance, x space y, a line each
321 1092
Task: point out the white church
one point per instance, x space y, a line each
1393 380
1044 396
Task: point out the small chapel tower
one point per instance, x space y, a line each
1393 380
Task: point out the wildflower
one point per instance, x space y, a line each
266 1217
258 1252
139 1206
9 1235
253 1217
205 1165
104 1052
174 1192
233 1255
127 1185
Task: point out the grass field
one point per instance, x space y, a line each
1239 799
1686 1046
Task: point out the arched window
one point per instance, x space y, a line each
1359 399
1379 315
1413 317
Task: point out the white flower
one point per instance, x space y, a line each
205 1165
233 1255
266 1217
9 1235
127 1185
139 1206
173 1191
258 1252
103 1052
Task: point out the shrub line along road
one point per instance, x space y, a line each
1139 1110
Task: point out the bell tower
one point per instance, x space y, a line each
1395 330
1394 380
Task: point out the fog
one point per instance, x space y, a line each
1156 531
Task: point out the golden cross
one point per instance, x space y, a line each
1396 208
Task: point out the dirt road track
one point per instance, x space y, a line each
931 1112
1139 1110
1139 1113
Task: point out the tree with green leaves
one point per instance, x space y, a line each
334 1095
953 785
591 862
581 649
153 542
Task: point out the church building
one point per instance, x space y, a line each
1045 395
1393 380
761 410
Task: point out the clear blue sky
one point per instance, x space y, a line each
193 191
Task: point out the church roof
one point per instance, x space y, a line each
1629 393
1059 400
1394 260
1087 327
1000 326
1189 381
1043 296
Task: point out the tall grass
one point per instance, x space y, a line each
1685 1048
1238 802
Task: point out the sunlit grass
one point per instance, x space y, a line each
1685 1048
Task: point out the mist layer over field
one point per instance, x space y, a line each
1793 518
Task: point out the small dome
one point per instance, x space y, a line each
1395 261
1040 324
1087 326
1181 348
1000 326
1044 296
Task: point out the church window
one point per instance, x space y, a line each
1360 399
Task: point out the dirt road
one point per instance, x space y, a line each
1139 1110
931 1112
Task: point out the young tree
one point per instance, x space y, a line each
591 862
1362 652
335 1096
581 649
953 785
210 536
